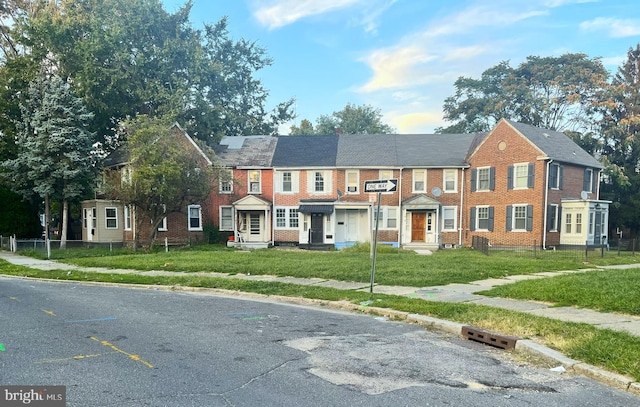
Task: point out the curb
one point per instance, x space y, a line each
455 328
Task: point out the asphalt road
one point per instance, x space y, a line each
113 346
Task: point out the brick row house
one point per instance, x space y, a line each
107 221
516 185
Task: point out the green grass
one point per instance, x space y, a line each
602 290
393 267
615 351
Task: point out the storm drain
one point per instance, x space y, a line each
490 338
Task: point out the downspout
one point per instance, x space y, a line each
400 215
461 210
273 207
546 206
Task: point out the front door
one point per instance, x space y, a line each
418 223
317 222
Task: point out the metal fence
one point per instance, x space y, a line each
574 251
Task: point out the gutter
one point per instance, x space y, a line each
461 209
546 206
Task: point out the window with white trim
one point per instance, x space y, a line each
287 218
520 175
111 217
255 186
162 227
388 217
319 182
553 218
386 174
226 218
420 180
449 219
226 181
287 182
578 223
482 218
567 223
352 179
588 180
195 217
519 218
484 178
450 180
555 176
127 217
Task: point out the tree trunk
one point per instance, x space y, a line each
65 222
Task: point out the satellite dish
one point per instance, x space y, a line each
584 195
436 192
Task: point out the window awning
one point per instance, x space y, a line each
306 208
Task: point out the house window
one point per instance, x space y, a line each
520 175
388 218
449 218
386 174
286 182
195 217
226 218
226 182
352 181
484 177
162 227
552 221
450 180
591 223
319 182
85 217
287 218
94 217
519 218
588 180
578 223
482 218
126 175
111 218
254 182
127 217
567 223
419 180
555 176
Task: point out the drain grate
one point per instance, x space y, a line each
480 335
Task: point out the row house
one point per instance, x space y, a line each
108 221
515 185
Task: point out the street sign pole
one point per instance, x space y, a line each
375 247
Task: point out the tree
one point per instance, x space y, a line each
55 154
18 216
305 129
130 57
620 143
352 119
557 93
165 173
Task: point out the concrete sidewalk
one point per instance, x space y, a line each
454 293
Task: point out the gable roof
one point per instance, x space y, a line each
556 145
246 151
306 151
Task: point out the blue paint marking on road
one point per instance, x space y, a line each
92 320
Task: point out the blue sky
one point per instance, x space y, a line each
403 56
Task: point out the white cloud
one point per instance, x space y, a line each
616 28
560 3
283 12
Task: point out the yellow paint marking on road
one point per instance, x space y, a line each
77 357
131 356
49 312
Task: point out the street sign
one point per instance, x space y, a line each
381 185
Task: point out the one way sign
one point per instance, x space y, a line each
381 185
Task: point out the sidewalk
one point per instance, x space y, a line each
459 293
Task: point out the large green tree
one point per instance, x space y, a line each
164 174
55 149
619 144
353 119
130 57
557 93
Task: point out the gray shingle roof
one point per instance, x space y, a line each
556 145
246 151
306 151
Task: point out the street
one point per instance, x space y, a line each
115 346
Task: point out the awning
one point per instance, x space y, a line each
306 208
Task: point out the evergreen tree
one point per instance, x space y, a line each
55 155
